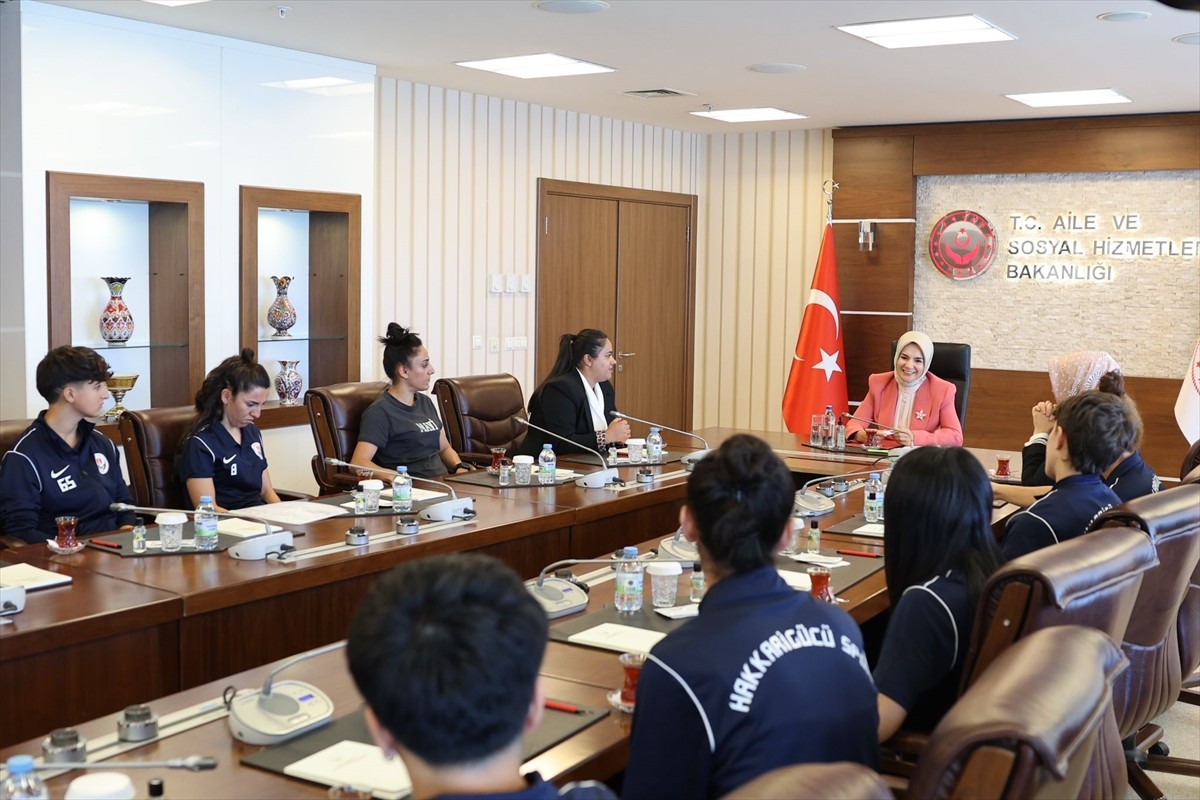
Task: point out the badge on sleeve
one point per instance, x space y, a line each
257 448
102 463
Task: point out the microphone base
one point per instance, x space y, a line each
689 461
557 597
896 452
811 504
257 547
679 549
598 480
459 508
292 708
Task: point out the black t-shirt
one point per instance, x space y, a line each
408 435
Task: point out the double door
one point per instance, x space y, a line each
621 260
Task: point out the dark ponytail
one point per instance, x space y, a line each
399 346
572 347
741 496
240 373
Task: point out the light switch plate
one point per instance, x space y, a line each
526 284
513 283
476 342
494 344
497 283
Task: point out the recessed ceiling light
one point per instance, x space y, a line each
1085 97
541 65
175 3
1124 16
749 114
571 6
1187 38
776 69
928 32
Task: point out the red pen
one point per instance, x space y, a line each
106 543
558 706
859 553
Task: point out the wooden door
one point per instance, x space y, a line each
653 365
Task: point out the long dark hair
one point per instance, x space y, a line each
572 347
240 373
938 517
741 496
399 346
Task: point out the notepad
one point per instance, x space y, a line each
797 580
870 529
417 494
350 763
292 512
621 638
679 612
31 577
242 527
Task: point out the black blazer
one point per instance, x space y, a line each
560 405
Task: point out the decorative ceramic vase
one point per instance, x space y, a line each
288 383
116 323
282 314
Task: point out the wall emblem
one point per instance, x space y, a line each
962 245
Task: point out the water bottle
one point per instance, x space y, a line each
874 499
654 445
628 596
205 524
22 782
814 537
882 493
139 538
402 491
828 428
547 465
839 438
696 594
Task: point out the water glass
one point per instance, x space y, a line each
66 537
814 438
170 530
664 583
371 490
523 469
637 450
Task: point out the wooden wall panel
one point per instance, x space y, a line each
879 280
868 341
875 176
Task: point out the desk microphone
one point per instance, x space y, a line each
884 432
279 711
253 548
607 476
679 547
812 504
446 510
192 763
559 597
690 457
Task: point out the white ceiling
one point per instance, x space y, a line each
705 46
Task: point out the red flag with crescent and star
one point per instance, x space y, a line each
818 374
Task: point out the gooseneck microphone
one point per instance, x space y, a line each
252 548
454 508
696 456
559 597
277 712
191 763
812 504
606 476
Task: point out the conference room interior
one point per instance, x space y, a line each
405 200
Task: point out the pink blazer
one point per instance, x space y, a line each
934 420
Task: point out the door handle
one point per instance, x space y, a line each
625 355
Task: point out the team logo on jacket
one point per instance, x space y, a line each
102 463
962 245
257 448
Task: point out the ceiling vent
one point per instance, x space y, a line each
652 93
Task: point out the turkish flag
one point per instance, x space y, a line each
818 375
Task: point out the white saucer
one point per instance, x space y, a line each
614 700
64 551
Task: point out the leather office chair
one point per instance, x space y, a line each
952 362
843 780
10 431
1191 461
1155 638
333 413
478 412
151 438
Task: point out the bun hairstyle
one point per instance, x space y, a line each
240 373
572 347
1099 427
1113 382
399 346
741 496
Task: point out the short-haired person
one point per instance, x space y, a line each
917 405
223 456
937 533
577 399
61 465
765 676
1089 432
445 651
402 426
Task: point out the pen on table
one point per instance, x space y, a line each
106 543
860 553
559 706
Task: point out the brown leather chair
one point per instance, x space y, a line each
478 413
843 780
1153 640
333 413
1029 726
10 431
151 438
1191 461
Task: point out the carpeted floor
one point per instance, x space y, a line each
1181 732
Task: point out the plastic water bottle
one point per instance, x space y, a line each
654 445
547 465
22 782
839 438
828 427
874 500
402 491
205 524
887 473
628 595
814 537
696 592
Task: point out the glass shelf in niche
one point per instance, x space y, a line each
132 345
265 339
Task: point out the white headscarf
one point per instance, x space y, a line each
1074 373
926 346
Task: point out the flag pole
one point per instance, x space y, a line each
828 188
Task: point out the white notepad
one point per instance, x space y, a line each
350 763
870 529
797 580
417 494
31 577
242 527
622 638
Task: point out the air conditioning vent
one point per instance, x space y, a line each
651 93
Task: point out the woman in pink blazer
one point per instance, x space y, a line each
916 406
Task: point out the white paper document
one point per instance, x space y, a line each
797 580
417 494
31 577
293 512
680 612
870 529
242 527
818 560
357 764
622 638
